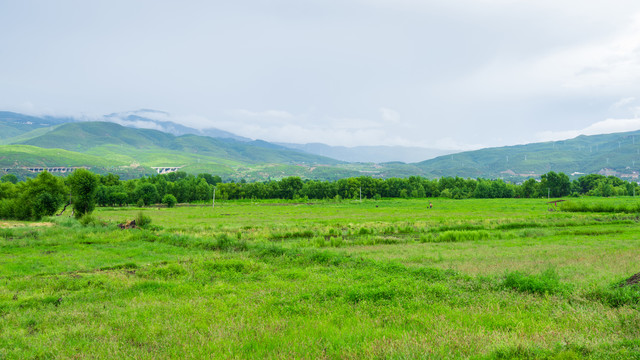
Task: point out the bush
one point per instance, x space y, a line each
169 200
89 220
224 242
142 220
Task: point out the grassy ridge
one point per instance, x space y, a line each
25 155
108 147
585 154
328 279
93 136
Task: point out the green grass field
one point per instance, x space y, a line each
481 279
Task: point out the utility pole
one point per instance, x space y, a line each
213 203
548 193
360 193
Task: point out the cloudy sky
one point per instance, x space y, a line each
454 74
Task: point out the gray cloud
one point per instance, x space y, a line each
459 73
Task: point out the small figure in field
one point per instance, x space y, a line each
430 205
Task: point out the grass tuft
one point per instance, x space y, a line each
547 282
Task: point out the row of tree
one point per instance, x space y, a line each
46 194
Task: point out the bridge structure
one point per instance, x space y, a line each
53 169
166 169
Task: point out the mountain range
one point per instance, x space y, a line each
131 144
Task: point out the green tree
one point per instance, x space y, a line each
146 192
210 179
202 190
556 184
11 178
589 182
290 187
110 180
529 188
39 197
169 200
84 186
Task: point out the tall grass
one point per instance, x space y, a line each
600 207
547 282
454 236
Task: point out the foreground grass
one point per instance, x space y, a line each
386 279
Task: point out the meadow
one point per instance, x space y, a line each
475 278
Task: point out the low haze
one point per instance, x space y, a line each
457 74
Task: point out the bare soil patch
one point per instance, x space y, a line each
128 225
633 280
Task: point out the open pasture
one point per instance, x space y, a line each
374 279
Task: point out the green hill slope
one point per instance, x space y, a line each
105 146
14 124
611 153
142 145
109 147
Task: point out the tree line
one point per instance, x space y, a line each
46 194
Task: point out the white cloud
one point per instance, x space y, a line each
338 131
609 66
352 123
390 115
278 114
624 101
602 127
449 143
138 124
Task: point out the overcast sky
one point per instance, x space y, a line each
454 74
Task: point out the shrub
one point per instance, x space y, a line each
319 241
336 241
224 242
142 220
169 200
89 220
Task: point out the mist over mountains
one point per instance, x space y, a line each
163 121
146 138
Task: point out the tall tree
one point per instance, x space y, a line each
84 186
40 197
556 184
